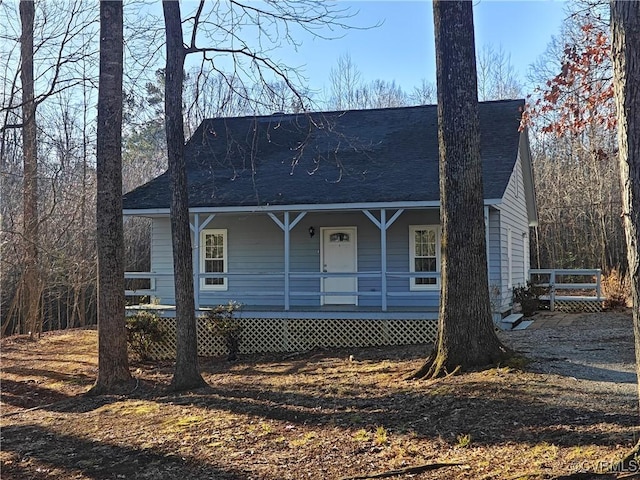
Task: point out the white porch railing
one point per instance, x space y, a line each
564 279
285 294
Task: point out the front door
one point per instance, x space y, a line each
339 254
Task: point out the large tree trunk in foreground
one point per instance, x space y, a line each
625 27
187 375
113 364
31 283
466 336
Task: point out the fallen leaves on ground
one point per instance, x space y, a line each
321 415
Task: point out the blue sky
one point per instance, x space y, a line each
402 48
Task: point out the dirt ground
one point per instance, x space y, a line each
330 414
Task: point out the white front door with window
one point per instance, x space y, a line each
339 254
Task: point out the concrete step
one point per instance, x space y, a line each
511 322
523 324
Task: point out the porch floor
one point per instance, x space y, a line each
324 311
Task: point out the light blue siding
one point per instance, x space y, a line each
495 260
513 218
256 244
162 260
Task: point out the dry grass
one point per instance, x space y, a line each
319 416
617 290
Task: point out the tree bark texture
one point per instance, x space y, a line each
187 375
32 285
625 43
466 336
113 365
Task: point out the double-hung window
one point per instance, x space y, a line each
213 258
424 255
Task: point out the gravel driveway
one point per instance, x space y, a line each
594 349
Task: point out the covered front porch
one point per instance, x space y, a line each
380 272
384 288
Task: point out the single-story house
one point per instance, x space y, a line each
325 226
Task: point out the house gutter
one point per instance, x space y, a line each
151 212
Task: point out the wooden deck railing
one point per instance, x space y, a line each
269 276
568 279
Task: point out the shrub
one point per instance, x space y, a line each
222 323
143 330
528 297
616 288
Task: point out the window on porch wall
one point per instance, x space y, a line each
213 258
424 251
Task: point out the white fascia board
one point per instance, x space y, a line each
145 212
150 212
154 212
319 207
524 150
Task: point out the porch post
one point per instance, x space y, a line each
383 258
196 260
383 225
287 259
286 228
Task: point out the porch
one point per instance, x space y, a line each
291 271
292 298
254 265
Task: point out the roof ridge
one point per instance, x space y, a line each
278 115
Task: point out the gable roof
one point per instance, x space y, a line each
358 156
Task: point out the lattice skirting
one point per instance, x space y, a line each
262 335
578 306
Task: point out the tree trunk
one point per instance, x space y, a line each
466 336
187 375
625 27
31 279
113 364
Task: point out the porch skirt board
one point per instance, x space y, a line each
578 305
280 335
575 304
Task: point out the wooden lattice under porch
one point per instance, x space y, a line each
262 335
578 304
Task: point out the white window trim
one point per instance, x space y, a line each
412 256
217 231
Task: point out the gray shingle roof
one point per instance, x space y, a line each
382 155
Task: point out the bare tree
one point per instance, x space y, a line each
383 94
625 28
31 283
113 365
466 333
424 94
346 85
348 91
186 375
65 69
497 79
